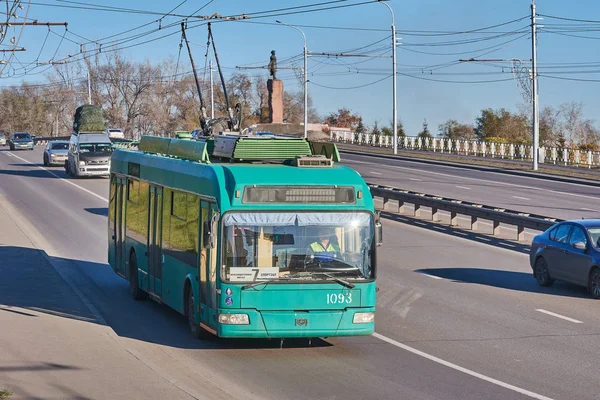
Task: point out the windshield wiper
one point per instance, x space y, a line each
338 280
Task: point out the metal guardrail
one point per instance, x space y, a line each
121 143
475 211
41 141
510 151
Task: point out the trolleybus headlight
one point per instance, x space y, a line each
363 317
234 319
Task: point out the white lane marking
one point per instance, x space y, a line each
575 321
62 179
376 173
520 198
461 369
414 179
464 187
589 209
430 276
492 182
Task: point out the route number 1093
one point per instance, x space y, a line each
339 298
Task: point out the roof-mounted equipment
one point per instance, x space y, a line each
178 148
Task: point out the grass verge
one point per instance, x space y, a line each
5 394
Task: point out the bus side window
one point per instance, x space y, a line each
143 204
178 226
132 219
191 224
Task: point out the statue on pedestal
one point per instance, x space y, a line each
273 65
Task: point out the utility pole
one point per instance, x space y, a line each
89 86
305 90
212 94
394 104
534 94
89 83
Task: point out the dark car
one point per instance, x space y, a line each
20 140
569 252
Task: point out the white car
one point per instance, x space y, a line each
116 133
2 140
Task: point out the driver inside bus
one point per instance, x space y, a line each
325 248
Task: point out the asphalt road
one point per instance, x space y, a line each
540 196
456 318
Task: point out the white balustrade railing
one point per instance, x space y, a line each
511 151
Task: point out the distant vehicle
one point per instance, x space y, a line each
183 135
569 252
89 155
21 141
116 134
2 140
56 152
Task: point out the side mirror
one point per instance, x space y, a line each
580 246
378 231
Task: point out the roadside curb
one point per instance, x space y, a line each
548 177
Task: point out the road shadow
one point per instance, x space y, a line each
40 164
45 366
512 280
30 173
460 232
30 285
103 211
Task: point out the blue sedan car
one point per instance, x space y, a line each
569 252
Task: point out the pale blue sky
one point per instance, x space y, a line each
249 43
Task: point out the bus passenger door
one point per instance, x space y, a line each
119 235
207 272
155 258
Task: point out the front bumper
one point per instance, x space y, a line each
23 146
57 160
293 324
86 170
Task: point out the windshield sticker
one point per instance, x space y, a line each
244 274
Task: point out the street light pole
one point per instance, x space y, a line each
305 74
395 111
534 94
89 86
212 93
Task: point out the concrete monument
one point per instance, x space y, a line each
275 88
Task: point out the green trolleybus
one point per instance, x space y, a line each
261 237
